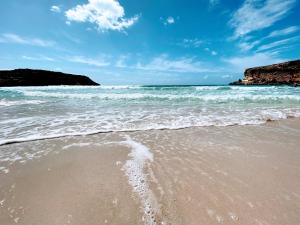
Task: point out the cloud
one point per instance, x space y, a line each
180 65
213 3
168 21
255 15
16 39
191 43
212 52
277 43
248 45
286 31
39 58
98 62
240 63
106 14
121 62
55 9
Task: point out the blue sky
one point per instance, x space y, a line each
149 42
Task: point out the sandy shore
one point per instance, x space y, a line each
210 175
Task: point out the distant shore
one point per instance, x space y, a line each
30 77
286 73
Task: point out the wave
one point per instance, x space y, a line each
135 96
70 87
218 122
4 102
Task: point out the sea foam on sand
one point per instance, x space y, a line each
140 157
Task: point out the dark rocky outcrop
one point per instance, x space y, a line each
287 73
29 77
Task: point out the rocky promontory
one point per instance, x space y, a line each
29 77
287 73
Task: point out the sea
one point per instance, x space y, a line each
36 113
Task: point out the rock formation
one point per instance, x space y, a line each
28 77
287 73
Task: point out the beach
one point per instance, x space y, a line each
117 112
201 175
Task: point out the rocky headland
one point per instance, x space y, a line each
287 73
29 77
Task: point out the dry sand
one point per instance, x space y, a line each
209 175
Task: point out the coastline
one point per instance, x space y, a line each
200 175
32 139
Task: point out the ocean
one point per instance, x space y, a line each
33 113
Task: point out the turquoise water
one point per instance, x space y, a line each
31 113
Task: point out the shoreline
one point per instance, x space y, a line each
23 140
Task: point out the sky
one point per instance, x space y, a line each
149 41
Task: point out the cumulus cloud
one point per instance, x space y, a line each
55 8
255 15
16 39
106 14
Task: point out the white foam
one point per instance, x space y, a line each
80 145
191 96
134 168
4 102
85 110
72 125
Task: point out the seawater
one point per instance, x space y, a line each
33 113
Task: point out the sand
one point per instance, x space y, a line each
208 175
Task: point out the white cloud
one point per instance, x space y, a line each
38 58
259 59
55 8
255 15
283 32
168 21
191 43
277 44
181 65
212 52
98 62
106 14
246 46
14 38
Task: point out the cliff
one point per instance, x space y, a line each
28 77
287 73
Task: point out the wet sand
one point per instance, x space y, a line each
208 175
